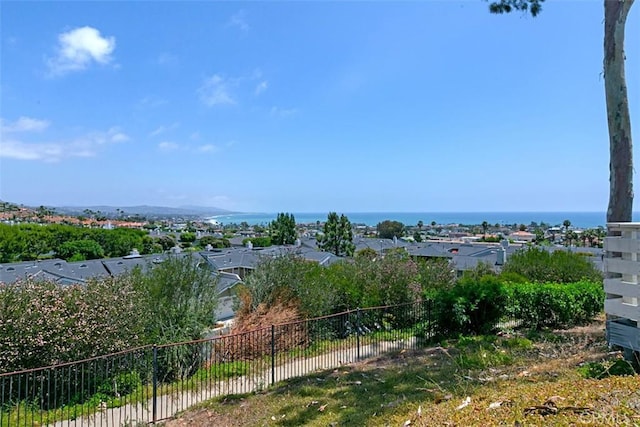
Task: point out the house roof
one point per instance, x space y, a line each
12 272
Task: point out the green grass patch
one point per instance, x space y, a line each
606 369
503 377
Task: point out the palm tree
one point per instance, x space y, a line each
584 237
485 226
601 233
420 225
566 224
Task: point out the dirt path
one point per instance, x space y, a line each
168 405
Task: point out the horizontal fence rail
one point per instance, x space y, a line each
153 383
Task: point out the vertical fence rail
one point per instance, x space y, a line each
358 333
273 354
153 383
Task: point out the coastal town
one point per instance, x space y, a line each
231 251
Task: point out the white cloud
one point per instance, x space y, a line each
24 124
168 146
119 137
239 20
261 87
167 59
14 149
114 135
163 129
80 47
150 102
217 91
283 112
208 148
87 145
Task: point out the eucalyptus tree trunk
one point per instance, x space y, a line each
620 146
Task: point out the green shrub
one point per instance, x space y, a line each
214 242
436 274
179 298
541 266
481 352
600 370
258 242
188 237
289 278
121 384
470 307
520 343
553 304
511 277
79 250
42 324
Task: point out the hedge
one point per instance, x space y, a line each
554 305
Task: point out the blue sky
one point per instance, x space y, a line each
307 106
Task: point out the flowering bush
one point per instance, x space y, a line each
42 323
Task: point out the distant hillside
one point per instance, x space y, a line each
144 210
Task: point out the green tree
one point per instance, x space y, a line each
214 242
80 250
118 242
258 242
283 229
566 224
337 236
388 229
591 235
417 236
167 242
420 225
188 237
569 237
485 227
367 253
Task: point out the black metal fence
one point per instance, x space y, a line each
153 383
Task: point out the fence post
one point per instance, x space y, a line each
155 384
358 332
430 330
273 354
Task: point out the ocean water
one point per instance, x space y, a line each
578 219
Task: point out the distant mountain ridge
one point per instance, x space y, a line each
146 210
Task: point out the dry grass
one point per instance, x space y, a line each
508 380
255 326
